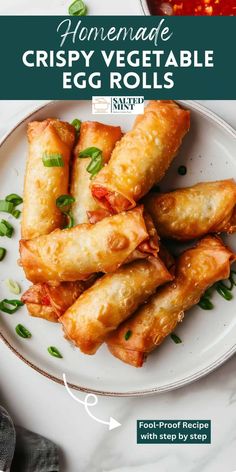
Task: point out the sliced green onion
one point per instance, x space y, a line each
77 8
14 198
5 306
90 152
182 170
205 304
6 229
3 252
71 221
175 338
53 351
128 334
77 124
232 277
64 201
16 213
7 207
13 286
22 331
223 291
53 159
95 166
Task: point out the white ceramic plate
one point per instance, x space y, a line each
208 336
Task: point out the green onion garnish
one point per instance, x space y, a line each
96 162
16 213
77 8
22 331
13 286
52 159
14 198
7 207
77 124
6 229
5 306
175 338
53 351
182 170
2 253
128 334
223 291
64 201
95 166
205 303
71 221
90 152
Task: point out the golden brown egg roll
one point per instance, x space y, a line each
111 300
103 137
197 269
142 157
50 302
192 212
76 253
43 184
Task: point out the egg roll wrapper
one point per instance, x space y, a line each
193 212
111 300
76 253
43 185
142 156
197 269
50 302
103 137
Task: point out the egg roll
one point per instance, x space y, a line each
192 212
50 302
197 269
42 184
111 300
142 156
103 137
76 253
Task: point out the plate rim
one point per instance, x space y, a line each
132 393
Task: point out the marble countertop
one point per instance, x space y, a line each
42 406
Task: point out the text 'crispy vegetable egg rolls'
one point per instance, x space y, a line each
189 213
142 156
197 269
47 175
111 300
103 137
76 253
50 302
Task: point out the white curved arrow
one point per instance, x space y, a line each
112 423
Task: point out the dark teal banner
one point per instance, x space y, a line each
173 432
80 57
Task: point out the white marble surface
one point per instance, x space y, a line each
45 407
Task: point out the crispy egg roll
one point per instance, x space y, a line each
197 269
142 157
76 253
42 184
111 300
103 137
50 302
192 212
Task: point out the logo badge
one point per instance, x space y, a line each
118 105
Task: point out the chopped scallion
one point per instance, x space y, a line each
14 198
53 351
3 252
13 286
5 306
6 207
53 159
22 331
6 229
175 338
